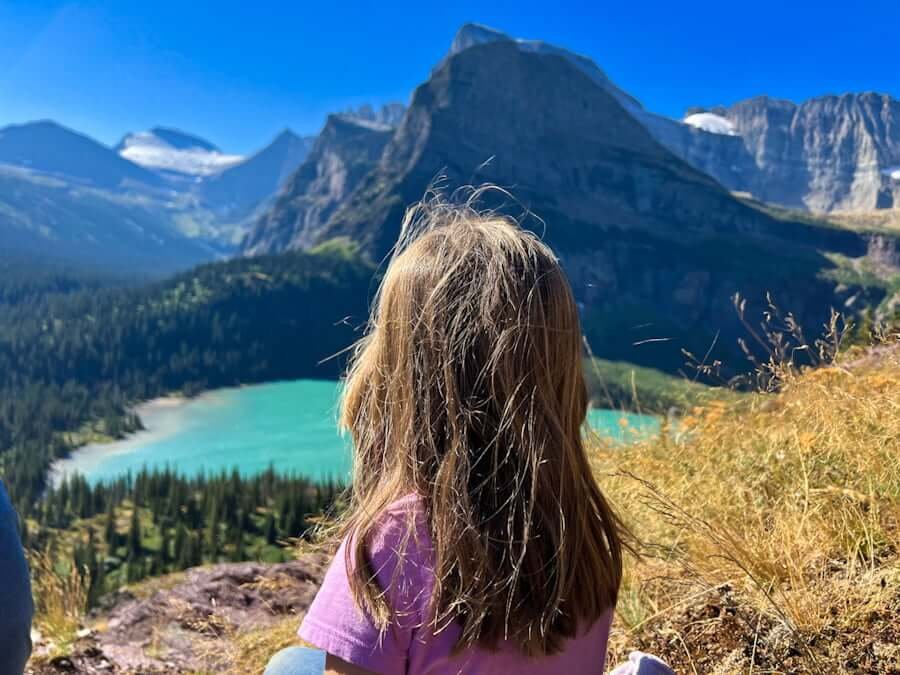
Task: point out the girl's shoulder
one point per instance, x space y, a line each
400 536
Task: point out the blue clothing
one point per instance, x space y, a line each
16 606
304 661
297 661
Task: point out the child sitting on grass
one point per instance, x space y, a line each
476 539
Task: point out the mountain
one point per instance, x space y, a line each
165 149
50 148
235 193
174 138
389 114
42 216
830 153
474 34
159 201
66 197
347 148
655 248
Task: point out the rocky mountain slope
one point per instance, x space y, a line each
347 148
827 154
647 239
47 147
64 196
55 219
830 153
159 201
237 194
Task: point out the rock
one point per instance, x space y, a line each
347 148
826 154
189 622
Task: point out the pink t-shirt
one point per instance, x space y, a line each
336 625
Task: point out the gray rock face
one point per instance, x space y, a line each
347 148
647 239
236 193
389 114
829 153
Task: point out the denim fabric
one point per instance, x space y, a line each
297 661
640 663
16 607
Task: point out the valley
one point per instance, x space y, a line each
175 317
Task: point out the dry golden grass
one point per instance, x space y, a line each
60 595
769 529
884 219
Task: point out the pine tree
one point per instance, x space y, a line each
271 532
181 552
133 544
164 547
111 534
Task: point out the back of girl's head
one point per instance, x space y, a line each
468 390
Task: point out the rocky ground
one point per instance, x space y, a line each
198 622
718 634
190 622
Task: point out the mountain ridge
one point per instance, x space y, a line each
49 147
749 166
346 148
646 238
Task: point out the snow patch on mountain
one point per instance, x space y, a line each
712 123
893 172
153 152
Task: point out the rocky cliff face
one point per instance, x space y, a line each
647 239
345 151
826 154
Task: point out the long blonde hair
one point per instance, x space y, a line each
467 390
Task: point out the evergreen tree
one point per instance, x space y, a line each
111 534
133 543
270 530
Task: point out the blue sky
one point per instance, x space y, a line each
238 72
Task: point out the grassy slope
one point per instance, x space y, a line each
621 385
768 527
770 530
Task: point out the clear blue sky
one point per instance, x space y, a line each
238 72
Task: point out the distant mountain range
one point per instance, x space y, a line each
158 201
830 153
648 239
658 221
345 151
172 150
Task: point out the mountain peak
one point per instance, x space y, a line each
474 34
285 135
471 34
173 150
182 140
49 147
388 115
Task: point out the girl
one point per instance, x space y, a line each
476 539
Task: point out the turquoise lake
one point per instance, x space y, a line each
288 425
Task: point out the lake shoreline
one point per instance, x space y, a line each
146 411
289 425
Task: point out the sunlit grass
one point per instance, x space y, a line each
60 601
788 503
